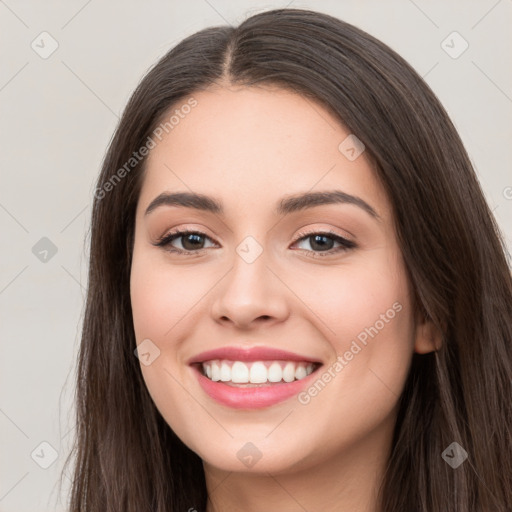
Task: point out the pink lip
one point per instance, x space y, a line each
251 398
250 354
254 397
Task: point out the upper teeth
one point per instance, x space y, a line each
256 372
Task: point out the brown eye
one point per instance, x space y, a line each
191 241
322 243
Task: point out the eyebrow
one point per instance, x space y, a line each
287 205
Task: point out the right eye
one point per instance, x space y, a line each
189 245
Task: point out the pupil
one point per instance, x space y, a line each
321 246
195 237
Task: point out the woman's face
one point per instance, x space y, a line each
277 283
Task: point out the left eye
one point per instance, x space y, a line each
318 242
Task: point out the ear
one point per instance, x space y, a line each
428 338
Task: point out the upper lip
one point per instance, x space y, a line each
233 353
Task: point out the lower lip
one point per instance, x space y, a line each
254 397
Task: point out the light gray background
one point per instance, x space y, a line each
57 117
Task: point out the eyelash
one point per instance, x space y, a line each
166 240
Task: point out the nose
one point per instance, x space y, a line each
250 294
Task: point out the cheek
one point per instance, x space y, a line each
353 297
164 299
366 317
162 307
370 330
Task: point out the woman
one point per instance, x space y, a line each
298 297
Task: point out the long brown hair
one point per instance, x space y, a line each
128 458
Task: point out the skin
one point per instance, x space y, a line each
250 147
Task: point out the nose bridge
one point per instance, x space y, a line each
250 290
249 276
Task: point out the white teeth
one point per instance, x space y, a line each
239 373
289 372
215 372
300 372
275 373
225 372
257 372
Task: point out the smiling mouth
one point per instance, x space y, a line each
255 373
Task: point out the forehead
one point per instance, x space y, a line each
247 144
